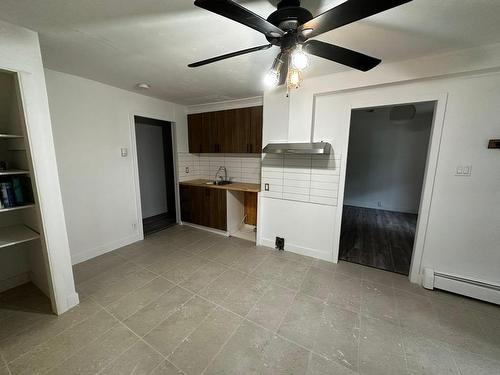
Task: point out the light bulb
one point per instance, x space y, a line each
272 78
294 78
300 60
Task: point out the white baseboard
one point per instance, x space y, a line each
14 281
212 230
299 250
100 250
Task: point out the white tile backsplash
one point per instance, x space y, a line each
313 179
240 167
302 178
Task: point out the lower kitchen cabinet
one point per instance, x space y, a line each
204 206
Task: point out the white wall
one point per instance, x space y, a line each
151 161
386 160
463 221
91 122
20 52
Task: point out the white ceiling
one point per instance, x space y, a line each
123 42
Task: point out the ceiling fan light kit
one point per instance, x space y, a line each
290 28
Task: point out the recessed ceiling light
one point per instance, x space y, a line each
143 86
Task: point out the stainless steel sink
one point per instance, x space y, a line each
219 182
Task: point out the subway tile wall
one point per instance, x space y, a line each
240 167
305 178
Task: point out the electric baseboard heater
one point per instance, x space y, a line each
478 289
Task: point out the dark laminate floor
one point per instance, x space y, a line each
378 238
156 223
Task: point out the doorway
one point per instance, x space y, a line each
155 161
386 162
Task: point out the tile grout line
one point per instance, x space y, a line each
400 325
294 298
140 339
60 333
126 261
257 324
83 347
212 360
4 361
162 362
128 316
192 331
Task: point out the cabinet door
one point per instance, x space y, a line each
217 215
255 134
227 135
242 130
209 133
186 203
195 135
204 206
191 198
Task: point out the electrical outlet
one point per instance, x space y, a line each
280 243
187 169
379 204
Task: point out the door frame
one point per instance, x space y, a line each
359 101
135 166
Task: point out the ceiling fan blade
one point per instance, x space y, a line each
235 12
341 55
345 13
284 69
229 55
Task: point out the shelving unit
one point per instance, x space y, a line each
16 234
21 251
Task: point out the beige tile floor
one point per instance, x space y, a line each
185 301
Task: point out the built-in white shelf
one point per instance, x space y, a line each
16 234
17 207
9 172
9 136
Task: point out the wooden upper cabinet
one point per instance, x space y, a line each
195 136
230 131
256 130
240 128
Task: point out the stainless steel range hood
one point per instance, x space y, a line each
317 148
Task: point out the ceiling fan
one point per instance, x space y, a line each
291 26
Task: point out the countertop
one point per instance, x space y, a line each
235 186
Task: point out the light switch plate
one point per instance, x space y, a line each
464 171
266 187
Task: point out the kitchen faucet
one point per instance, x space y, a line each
221 168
